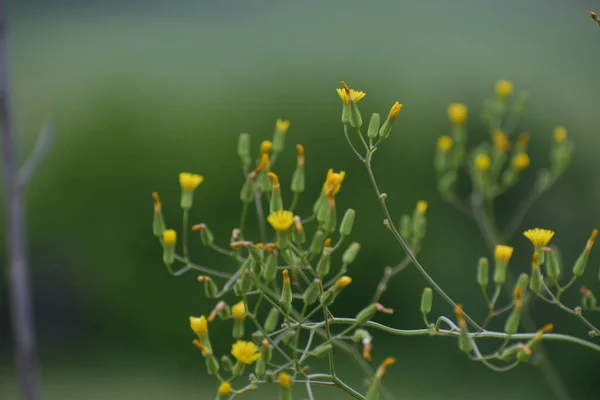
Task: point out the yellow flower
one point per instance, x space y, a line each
266 146
245 352
388 362
395 111
444 144
199 325
500 140
189 181
520 161
282 126
503 253
343 282
422 207
560 134
539 237
333 183
285 381
281 220
343 93
170 237
457 112
504 88
482 162
238 311
224 389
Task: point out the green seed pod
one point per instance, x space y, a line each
406 227
347 222
328 297
374 123
299 237
366 314
260 367
522 356
464 342
243 149
272 320
350 254
355 117
316 244
270 271
212 365
206 236
257 336
247 281
535 284
286 292
426 301
266 352
311 294
360 334
226 363
247 192
330 221
512 323
238 329
224 313
500 272
321 350
522 282
210 288
553 263
580 264
319 204
324 263
483 272
509 353
288 337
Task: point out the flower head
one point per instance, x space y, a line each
560 134
238 311
501 142
520 161
189 181
355 94
199 325
170 237
281 220
343 282
285 381
245 352
482 162
282 126
395 111
457 112
503 253
422 207
266 146
444 144
333 183
224 389
539 237
504 88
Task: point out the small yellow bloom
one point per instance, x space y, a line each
224 389
395 111
388 362
539 237
285 381
503 253
504 88
266 146
355 94
189 181
238 311
501 142
520 161
170 237
245 352
199 325
282 126
444 144
482 162
422 207
333 183
560 134
281 220
343 282
457 112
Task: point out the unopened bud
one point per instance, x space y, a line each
243 149
347 222
158 221
426 301
311 294
350 254
483 272
210 288
406 227
373 130
270 270
317 242
553 263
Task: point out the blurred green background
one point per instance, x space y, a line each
141 91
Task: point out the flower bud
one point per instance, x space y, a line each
426 301
347 222
483 272
212 365
158 221
286 292
406 227
288 337
266 350
324 264
317 242
588 300
276 203
226 363
210 288
374 123
321 350
512 323
502 255
330 220
580 264
553 263
270 271
281 128
272 320
386 129
350 254
206 235
243 149
366 314
311 294
169 241
298 178
260 367
247 281
188 182
285 385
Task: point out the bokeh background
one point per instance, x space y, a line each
140 91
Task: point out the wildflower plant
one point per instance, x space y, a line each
290 272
